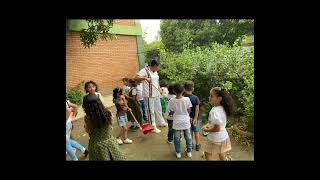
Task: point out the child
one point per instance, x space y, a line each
181 121
218 141
98 120
169 115
122 108
141 102
163 99
92 87
134 105
194 114
74 109
70 143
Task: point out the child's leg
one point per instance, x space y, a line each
187 136
70 150
170 130
176 135
143 109
119 121
120 133
208 155
125 132
197 137
223 156
197 133
77 145
192 134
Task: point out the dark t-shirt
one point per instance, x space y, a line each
194 101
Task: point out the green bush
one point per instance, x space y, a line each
219 65
75 94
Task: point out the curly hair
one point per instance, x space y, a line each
86 85
227 102
116 92
97 113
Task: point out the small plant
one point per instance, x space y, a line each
75 94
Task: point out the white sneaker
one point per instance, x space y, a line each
119 141
170 142
164 125
156 130
178 155
127 141
189 154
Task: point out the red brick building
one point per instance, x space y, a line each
107 62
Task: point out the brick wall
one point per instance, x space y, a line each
105 63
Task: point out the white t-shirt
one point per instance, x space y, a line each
218 116
146 86
134 91
139 92
181 119
126 89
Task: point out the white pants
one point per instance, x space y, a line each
154 110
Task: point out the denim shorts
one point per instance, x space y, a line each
195 128
122 120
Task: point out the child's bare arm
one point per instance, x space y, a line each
196 114
189 110
143 78
68 113
216 128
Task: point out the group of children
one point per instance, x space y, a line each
183 114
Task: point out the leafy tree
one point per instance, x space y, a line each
96 28
178 34
217 65
152 50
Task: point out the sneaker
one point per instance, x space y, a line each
178 155
189 154
156 130
170 142
127 141
119 141
198 147
86 152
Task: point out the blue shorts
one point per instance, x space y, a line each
196 128
122 120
